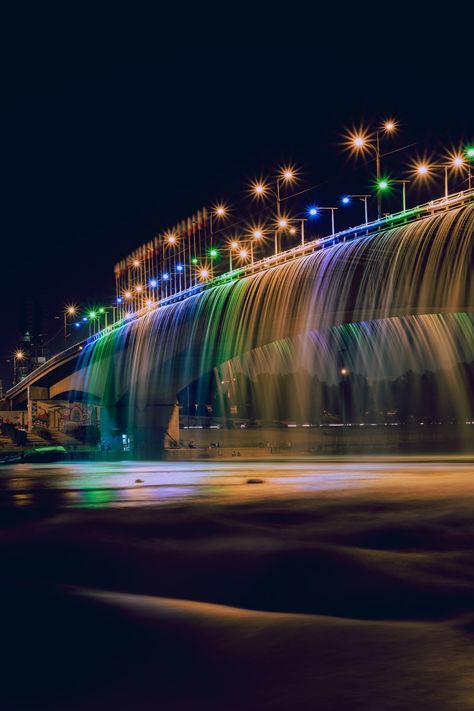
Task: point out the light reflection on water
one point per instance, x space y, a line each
143 483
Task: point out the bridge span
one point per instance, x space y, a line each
411 263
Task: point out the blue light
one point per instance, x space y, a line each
179 268
77 325
84 318
153 283
312 210
166 276
346 200
119 299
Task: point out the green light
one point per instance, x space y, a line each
213 253
92 314
470 152
194 260
101 311
383 184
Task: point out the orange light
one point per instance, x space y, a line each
390 125
259 188
71 310
282 223
458 161
128 294
243 254
139 288
234 245
203 273
288 173
136 263
19 355
220 210
422 169
344 371
358 140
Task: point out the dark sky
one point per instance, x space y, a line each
117 126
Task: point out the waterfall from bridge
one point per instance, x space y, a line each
374 328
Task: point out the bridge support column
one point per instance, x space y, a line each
111 426
156 427
35 393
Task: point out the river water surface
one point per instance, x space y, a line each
231 585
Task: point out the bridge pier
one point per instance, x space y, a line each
155 427
35 394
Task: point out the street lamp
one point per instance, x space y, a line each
385 184
346 200
170 240
361 142
17 356
256 234
293 230
244 254
313 213
424 169
469 152
261 189
68 311
92 316
233 246
219 211
282 223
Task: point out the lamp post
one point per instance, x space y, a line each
313 212
346 200
360 141
404 184
424 169
255 235
469 152
385 184
233 247
282 223
293 230
92 315
219 211
171 241
68 311
17 356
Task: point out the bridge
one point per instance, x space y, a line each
413 262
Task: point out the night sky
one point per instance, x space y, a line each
116 127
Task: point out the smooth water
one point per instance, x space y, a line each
336 584
125 484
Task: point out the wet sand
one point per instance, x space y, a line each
328 585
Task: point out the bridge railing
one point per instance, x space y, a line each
363 230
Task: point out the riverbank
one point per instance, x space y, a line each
312 443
